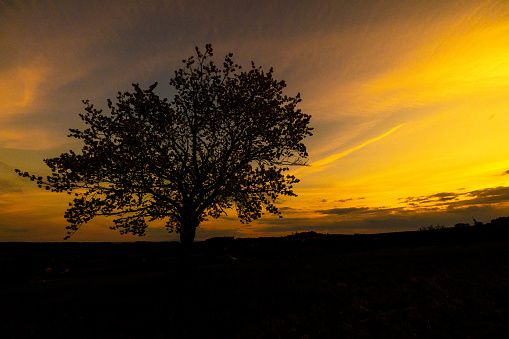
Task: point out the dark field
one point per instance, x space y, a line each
426 284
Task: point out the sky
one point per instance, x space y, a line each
409 102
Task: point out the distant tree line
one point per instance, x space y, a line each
495 223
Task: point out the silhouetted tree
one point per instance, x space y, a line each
223 142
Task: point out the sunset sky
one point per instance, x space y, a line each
409 103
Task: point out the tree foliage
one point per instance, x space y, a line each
224 141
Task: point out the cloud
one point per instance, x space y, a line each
492 195
375 220
203 233
321 164
19 87
345 211
384 221
29 137
434 198
445 208
461 59
335 157
349 199
288 209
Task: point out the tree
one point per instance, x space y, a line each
224 141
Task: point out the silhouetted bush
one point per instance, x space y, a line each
500 222
431 227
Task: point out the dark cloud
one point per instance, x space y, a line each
349 199
8 185
344 211
438 197
203 233
365 211
489 192
506 172
287 209
343 200
492 195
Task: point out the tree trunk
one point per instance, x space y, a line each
187 232
187 236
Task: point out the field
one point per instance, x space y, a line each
431 284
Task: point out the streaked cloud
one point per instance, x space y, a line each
19 87
320 164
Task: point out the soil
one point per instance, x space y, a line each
434 283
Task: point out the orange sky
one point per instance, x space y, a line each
409 100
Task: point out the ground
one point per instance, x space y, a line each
435 283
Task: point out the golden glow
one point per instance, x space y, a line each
457 66
18 88
29 139
318 165
407 100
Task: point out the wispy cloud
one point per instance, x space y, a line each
321 164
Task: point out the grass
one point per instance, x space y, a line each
304 289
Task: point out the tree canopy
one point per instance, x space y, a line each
224 141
